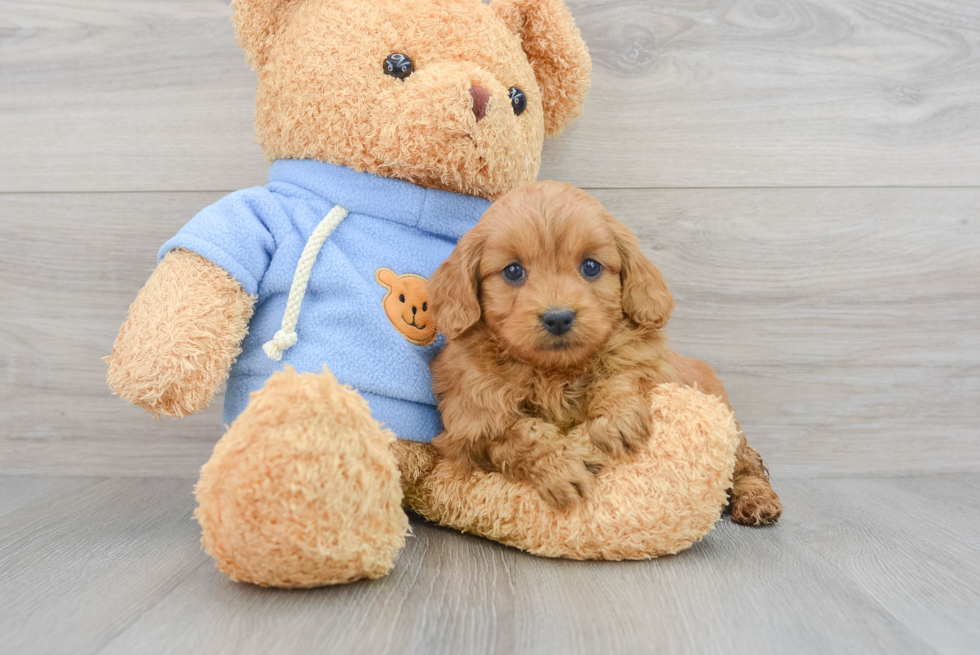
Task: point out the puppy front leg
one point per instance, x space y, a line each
534 451
618 418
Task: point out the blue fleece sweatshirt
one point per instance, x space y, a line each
257 235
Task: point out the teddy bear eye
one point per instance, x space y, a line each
591 269
401 297
399 66
518 100
425 307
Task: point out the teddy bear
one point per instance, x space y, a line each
407 305
390 127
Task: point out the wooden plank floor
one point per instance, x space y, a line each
858 565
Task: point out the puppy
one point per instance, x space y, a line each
554 322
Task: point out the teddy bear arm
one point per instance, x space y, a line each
181 336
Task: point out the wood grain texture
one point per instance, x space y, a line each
844 323
73 263
78 566
19 492
115 568
910 544
136 95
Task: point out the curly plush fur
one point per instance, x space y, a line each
181 336
422 129
657 502
294 495
303 489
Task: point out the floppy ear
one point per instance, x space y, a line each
256 23
454 289
646 299
557 52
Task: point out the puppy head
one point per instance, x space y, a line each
552 275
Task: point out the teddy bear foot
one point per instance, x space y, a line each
658 501
302 491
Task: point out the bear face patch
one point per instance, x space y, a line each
407 305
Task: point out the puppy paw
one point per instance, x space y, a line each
564 479
757 508
621 433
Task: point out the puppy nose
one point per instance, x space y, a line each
558 321
480 99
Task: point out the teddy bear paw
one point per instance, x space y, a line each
302 490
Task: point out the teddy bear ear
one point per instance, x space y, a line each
256 23
557 52
385 277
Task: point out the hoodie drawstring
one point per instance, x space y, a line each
286 337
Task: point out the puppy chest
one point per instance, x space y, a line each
560 402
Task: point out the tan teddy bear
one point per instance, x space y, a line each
391 125
407 305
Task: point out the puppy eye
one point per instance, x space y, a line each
591 269
518 100
398 66
514 273
401 297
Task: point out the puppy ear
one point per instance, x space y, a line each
557 52
455 286
646 299
256 23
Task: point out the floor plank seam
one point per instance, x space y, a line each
869 187
135 619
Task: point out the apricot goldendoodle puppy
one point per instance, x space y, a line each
554 322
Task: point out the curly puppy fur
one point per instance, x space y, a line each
658 502
511 390
422 129
181 336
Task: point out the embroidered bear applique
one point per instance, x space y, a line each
407 305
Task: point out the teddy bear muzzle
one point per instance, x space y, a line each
481 98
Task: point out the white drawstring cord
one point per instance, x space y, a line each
286 338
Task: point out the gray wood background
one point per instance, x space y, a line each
805 172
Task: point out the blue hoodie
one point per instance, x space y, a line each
257 235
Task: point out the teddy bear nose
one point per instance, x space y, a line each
480 99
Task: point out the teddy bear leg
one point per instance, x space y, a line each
657 501
753 502
302 490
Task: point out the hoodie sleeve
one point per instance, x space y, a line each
235 234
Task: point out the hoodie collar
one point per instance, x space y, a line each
439 212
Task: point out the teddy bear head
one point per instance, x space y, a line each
407 305
449 94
